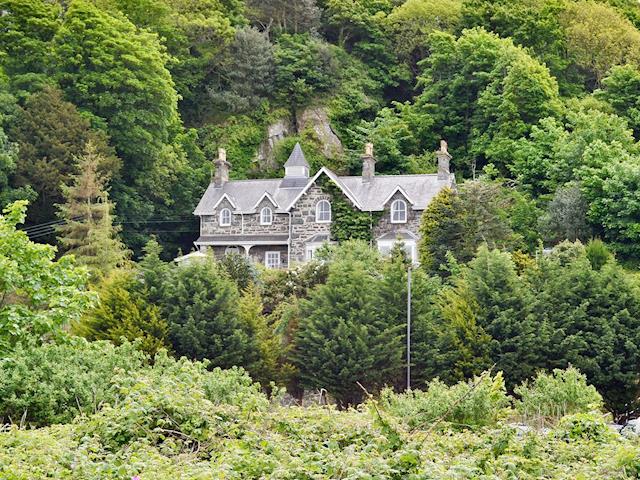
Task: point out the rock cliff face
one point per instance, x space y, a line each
317 119
312 118
275 132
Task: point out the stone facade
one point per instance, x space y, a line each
385 225
303 222
294 230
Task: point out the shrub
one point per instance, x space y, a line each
553 395
583 426
177 403
478 402
42 385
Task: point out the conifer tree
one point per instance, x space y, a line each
123 312
89 232
343 337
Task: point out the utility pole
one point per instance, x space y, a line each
409 328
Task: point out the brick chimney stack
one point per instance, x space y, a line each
221 175
443 161
368 163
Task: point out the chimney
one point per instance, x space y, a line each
443 161
368 163
221 175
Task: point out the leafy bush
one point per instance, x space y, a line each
478 402
42 385
583 426
178 403
563 392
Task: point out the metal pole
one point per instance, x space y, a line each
409 328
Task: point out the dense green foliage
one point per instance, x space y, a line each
110 113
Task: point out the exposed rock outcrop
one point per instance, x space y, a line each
317 119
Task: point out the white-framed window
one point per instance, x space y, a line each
272 260
225 217
266 216
399 211
323 211
385 246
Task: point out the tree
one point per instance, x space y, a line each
123 312
566 216
50 133
412 21
39 294
441 230
270 364
558 150
621 89
26 30
598 37
457 348
460 222
118 73
200 304
246 72
305 66
88 232
535 25
612 193
595 314
482 93
194 34
343 338
519 341
290 16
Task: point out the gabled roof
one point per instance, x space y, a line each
269 197
333 177
229 199
296 159
404 194
373 195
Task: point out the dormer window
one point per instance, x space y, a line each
225 217
323 212
399 211
266 216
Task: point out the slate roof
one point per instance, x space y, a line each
296 159
367 196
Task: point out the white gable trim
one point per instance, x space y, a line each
271 199
396 190
229 199
334 179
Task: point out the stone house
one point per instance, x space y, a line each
281 221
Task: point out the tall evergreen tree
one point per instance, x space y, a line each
343 337
88 231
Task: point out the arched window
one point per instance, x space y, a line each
323 212
399 211
225 217
266 216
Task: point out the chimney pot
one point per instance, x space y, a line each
444 159
221 175
368 163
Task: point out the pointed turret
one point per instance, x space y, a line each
296 165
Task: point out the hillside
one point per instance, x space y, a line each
540 96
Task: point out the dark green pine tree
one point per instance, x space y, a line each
343 336
200 303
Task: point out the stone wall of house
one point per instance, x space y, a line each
258 252
245 224
385 226
303 222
